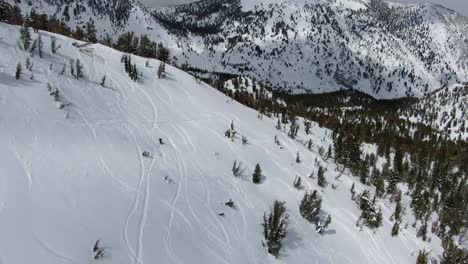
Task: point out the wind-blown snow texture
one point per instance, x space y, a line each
384 49
73 175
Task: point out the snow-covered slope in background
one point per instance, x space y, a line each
386 50
72 171
445 110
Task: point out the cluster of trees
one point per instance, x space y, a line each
127 42
130 68
371 216
433 167
310 209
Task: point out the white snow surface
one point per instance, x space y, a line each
73 175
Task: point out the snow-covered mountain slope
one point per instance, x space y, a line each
445 110
72 171
384 49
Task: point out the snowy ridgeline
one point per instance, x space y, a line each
72 170
383 49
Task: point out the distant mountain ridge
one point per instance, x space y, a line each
386 50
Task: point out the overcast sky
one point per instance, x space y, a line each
459 5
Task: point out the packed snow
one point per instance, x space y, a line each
72 171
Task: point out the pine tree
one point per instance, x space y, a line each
134 73
423 257
370 216
323 225
380 187
453 254
398 214
353 192
310 207
90 33
25 35
321 181
422 231
396 228
162 70
364 172
275 228
18 71
53 45
28 64
307 125
39 45
236 169
72 68
62 72
298 183
257 175
309 145
79 69
392 182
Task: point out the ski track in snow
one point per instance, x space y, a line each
167 238
132 254
49 249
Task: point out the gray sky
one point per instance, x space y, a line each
460 6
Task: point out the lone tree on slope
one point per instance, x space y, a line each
257 175
18 71
275 227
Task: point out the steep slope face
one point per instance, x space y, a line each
383 49
444 110
72 170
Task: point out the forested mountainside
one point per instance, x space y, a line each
383 49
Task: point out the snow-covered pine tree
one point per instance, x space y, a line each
396 228
423 257
79 69
53 45
321 181
72 68
25 35
28 64
40 45
322 225
310 145
18 71
257 175
307 125
162 70
370 215
275 228
310 207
